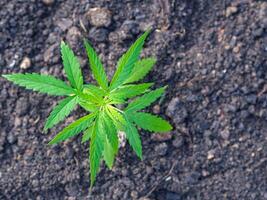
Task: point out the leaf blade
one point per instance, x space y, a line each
111 132
73 129
96 66
96 152
71 66
94 89
145 100
141 69
87 105
87 134
41 83
94 92
150 122
129 91
126 62
108 153
133 138
116 117
63 109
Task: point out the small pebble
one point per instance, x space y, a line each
48 2
178 142
231 10
17 121
26 63
161 149
99 17
49 54
177 111
22 106
225 134
236 49
257 32
134 194
211 154
64 23
73 36
144 198
98 34
156 109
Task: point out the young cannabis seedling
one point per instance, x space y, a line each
105 119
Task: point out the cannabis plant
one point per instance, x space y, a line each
102 101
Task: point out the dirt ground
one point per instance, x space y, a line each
211 53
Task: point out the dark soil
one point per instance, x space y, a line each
213 56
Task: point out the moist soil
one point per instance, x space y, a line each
211 54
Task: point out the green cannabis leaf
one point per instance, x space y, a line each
96 66
62 110
105 119
140 70
127 61
73 129
133 138
41 83
150 122
129 91
71 66
145 100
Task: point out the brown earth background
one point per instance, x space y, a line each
212 55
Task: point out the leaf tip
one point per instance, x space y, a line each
85 41
154 60
169 129
92 182
7 76
45 130
51 142
62 43
86 44
110 167
148 30
141 157
150 84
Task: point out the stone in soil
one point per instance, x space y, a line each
73 36
161 149
178 141
48 2
25 63
22 106
50 54
176 111
64 23
231 10
99 17
98 34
